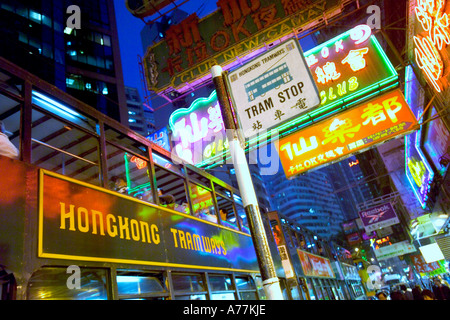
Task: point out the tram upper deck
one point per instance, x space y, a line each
86 191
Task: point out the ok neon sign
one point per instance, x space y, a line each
433 19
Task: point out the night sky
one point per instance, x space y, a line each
129 28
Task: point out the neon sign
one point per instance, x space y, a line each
417 168
353 163
353 130
161 138
198 132
382 242
347 66
436 24
190 48
140 164
364 72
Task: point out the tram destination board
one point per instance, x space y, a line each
273 88
82 222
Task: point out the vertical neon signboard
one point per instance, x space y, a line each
417 168
198 132
436 142
431 41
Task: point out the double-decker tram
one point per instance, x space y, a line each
273 78
92 210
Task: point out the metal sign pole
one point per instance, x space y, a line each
271 283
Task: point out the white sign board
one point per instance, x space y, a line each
273 88
395 250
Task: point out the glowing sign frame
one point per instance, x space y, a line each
198 132
412 145
338 137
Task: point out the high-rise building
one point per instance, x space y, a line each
307 199
83 62
350 185
140 118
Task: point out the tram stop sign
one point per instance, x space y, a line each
272 89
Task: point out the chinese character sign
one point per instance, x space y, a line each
190 48
198 132
273 88
431 40
356 129
422 266
348 66
161 138
315 266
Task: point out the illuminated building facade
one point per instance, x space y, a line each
350 187
427 154
309 200
140 118
83 62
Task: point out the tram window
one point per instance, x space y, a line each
11 83
220 283
50 283
10 116
226 212
126 142
294 238
62 148
260 288
140 285
243 218
64 111
222 287
284 290
128 173
171 184
194 176
224 192
167 164
247 288
310 286
8 285
202 203
318 289
189 287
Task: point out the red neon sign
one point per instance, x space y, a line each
433 19
140 164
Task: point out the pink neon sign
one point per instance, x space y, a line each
198 132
